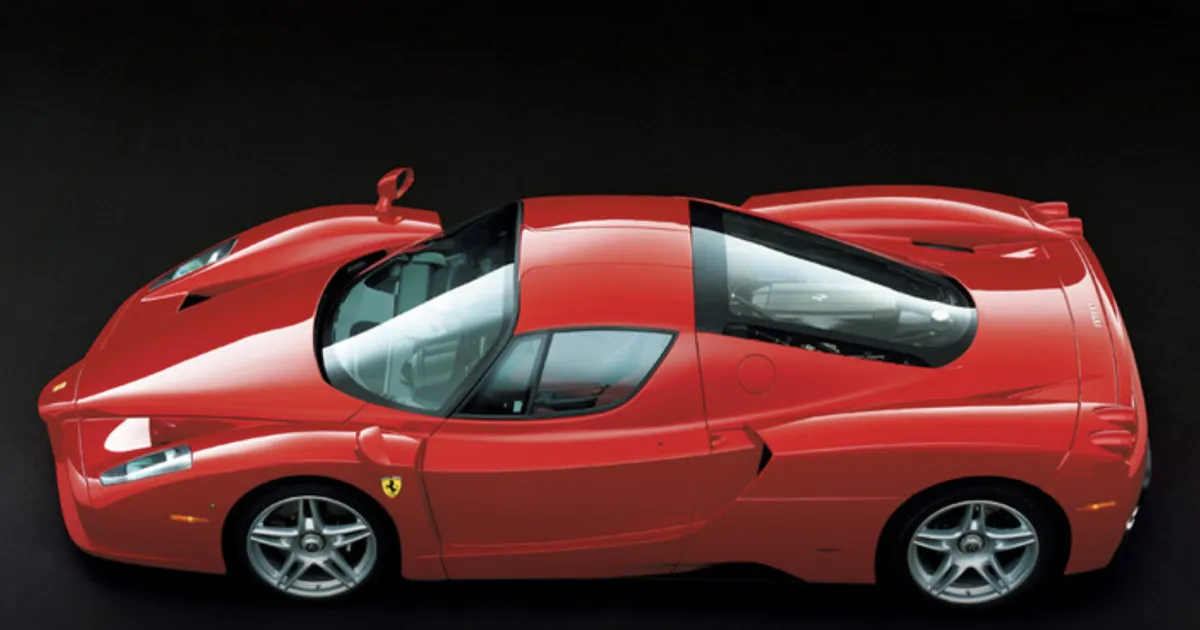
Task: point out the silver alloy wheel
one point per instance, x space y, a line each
311 546
973 552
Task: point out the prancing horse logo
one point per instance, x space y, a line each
391 486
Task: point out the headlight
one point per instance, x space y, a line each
196 264
166 461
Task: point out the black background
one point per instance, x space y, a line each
133 137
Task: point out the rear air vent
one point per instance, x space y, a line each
191 300
951 248
765 458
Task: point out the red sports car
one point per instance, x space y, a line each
928 387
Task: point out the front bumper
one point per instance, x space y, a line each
114 531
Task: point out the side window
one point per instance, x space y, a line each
777 284
507 389
590 369
569 372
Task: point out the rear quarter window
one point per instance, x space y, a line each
774 283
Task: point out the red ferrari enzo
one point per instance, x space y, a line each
927 387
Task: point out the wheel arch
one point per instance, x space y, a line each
247 499
1062 523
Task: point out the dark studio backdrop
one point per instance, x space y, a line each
131 138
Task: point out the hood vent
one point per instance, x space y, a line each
191 300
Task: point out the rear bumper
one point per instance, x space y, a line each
1132 521
1101 498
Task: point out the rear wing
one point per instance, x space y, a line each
1055 215
1048 217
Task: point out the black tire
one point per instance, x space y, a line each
1146 480
893 559
386 547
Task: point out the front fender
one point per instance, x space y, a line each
177 518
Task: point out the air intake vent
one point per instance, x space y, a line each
765 458
191 300
952 248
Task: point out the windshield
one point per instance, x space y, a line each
414 330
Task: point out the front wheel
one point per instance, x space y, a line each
970 547
310 541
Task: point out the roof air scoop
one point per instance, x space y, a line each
391 188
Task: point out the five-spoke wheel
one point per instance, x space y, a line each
973 551
310 541
970 545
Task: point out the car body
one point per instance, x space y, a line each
786 382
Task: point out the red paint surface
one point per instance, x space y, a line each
668 481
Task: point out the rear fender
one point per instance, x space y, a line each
818 507
897 453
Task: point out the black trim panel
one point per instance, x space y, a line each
949 248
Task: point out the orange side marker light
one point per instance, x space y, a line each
190 520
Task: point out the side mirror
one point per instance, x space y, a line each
391 187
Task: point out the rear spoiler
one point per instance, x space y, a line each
1052 216
1056 215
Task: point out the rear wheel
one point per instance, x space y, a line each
976 546
311 540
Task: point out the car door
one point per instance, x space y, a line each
579 455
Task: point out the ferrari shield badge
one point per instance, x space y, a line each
391 486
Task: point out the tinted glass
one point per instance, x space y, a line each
773 283
197 263
507 389
415 329
591 369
